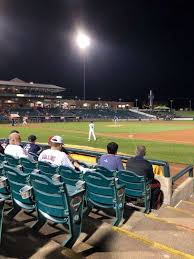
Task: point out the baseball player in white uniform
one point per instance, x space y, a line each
91 131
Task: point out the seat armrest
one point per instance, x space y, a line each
119 186
77 192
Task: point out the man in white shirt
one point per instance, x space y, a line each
55 156
14 149
91 131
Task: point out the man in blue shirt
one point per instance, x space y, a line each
110 160
31 146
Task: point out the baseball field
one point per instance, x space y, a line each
172 141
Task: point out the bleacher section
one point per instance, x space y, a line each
58 196
85 114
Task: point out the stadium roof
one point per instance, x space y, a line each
36 86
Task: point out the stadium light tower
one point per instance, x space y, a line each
83 42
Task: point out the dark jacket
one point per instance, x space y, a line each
140 166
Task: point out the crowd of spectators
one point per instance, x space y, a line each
57 155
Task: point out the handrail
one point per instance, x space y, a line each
188 169
124 158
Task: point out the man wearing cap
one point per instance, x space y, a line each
32 146
14 147
55 156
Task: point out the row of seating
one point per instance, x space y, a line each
59 194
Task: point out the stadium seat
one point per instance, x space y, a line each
34 156
2 158
1 215
104 192
136 187
106 172
69 175
17 180
27 165
47 169
53 203
12 161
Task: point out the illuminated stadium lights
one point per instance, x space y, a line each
59 97
83 42
20 95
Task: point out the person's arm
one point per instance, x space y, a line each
150 173
119 164
67 162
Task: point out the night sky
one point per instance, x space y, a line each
135 46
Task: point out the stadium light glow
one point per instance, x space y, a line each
83 40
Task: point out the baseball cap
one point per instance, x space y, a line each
56 139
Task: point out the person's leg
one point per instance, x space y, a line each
155 192
93 134
89 136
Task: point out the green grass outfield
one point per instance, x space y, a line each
77 134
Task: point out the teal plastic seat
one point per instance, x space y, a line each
2 162
47 169
1 215
12 161
69 175
104 192
17 180
106 172
136 187
55 204
27 165
2 158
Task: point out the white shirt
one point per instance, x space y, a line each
91 126
15 151
55 157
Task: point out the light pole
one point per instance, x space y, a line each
83 42
171 101
136 100
189 105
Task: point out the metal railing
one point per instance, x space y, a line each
124 158
188 169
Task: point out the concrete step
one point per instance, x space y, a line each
191 198
175 216
164 233
187 206
98 240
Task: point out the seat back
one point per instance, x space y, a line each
27 165
2 158
135 185
50 197
1 215
106 172
12 161
47 169
69 175
100 189
17 180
